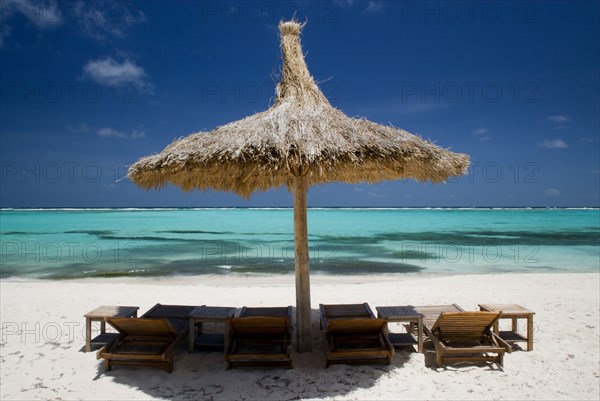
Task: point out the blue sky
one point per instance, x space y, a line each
87 88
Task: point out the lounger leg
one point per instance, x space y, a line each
438 359
108 365
88 334
170 366
530 333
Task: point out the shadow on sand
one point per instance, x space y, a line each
202 375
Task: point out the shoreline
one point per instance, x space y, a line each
7 209
244 279
43 336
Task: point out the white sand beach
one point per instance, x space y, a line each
43 337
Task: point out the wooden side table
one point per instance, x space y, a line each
404 314
98 315
513 312
207 314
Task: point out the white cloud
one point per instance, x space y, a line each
551 192
109 72
559 118
596 171
482 134
553 144
586 139
42 14
100 20
373 7
113 133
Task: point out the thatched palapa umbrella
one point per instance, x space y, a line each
301 140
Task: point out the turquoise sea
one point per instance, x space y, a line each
76 243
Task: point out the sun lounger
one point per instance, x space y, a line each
142 342
149 340
354 335
260 336
466 337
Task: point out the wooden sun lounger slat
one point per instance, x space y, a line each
330 312
170 311
272 311
432 312
143 326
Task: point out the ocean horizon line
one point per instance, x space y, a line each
167 208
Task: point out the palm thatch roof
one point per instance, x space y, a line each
301 134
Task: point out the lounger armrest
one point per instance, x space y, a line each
386 342
108 347
171 348
369 310
501 343
101 351
322 317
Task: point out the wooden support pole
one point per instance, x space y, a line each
303 311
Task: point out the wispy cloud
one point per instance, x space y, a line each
113 133
587 139
553 144
551 192
482 134
109 72
103 19
373 7
41 14
559 118
78 128
376 194
96 19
